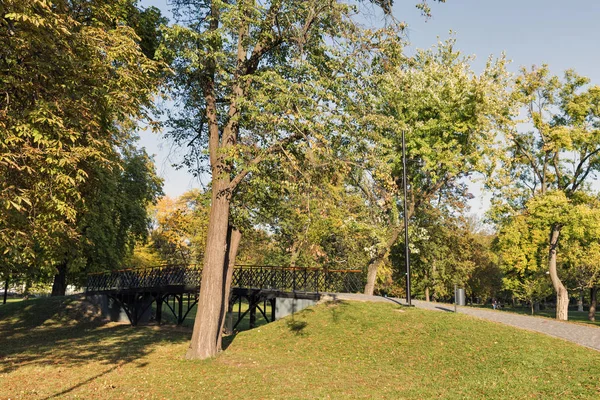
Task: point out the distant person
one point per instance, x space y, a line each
494 304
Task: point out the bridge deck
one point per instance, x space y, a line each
136 289
187 279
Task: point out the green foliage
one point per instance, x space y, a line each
281 93
448 113
522 245
314 218
180 227
447 251
555 146
581 245
113 216
76 85
449 116
548 160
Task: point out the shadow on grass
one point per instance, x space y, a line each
297 327
227 340
336 308
26 315
46 332
82 383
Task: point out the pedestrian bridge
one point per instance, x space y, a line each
178 287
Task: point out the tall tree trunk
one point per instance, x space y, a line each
562 296
532 309
6 283
580 301
378 260
372 275
234 237
207 325
59 287
593 303
427 294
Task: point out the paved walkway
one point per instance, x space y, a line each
588 336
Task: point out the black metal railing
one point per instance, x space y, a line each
288 279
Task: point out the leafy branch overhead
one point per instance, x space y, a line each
79 83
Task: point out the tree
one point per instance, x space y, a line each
521 248
76 86
486 280
552 155
581 254
449 115
111 218
252 79
448 250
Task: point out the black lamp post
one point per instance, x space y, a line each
406 249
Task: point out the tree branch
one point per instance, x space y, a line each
529 158
579 170
208 88
265 44
274 148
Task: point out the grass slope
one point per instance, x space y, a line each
342 350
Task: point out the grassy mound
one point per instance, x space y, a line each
341 350
31 313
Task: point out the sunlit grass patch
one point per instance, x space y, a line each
341 350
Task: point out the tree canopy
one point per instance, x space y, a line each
75 83
549 157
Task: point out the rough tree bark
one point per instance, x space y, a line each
427 294
234 237
59 287
207 325
562 296
593 303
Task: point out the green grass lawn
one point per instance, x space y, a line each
10 300
341 350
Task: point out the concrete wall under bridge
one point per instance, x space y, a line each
287 306
112 309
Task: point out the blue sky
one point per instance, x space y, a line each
561 33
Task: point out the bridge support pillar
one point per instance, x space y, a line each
252 304
180 309
273 307
159 304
